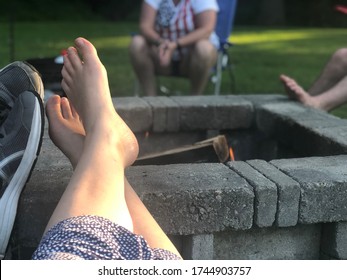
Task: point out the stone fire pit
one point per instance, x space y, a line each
285 196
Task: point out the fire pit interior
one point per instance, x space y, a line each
212 146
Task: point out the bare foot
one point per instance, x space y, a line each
65 128
295 91
85 82
86 85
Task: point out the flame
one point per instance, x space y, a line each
231 153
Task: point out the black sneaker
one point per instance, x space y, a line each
21 133
16 78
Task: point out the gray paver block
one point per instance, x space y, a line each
301 242
214 112
135 112
288 193
41 194
194 198
260 99
198 247
37 203
323 182
173 115
166 113
336 136
265 191
295 111
50 157
310 132
159 113
334 240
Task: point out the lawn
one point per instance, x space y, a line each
259 55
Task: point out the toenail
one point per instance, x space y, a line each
70 50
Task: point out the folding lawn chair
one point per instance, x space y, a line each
225 21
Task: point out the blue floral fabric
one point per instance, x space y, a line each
95 238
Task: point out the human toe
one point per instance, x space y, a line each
66 108
53 109
72 59
86 49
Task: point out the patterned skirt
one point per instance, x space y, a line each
95 238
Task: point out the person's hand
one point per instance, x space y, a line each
166 49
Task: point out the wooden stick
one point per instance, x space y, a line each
211 150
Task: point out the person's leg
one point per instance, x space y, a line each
329 90
143 64
334 71
199 62
327 101
67 132
97 184
296 92
144 223
334 97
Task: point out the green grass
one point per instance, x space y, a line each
259 55
34 40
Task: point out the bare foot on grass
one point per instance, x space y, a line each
296 92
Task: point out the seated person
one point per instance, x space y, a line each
329 91
176 38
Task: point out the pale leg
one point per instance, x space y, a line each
97 184
329 91
334 97
326 101
67 132
333 72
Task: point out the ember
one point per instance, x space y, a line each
231 154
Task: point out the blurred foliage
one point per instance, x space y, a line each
36 10
313 13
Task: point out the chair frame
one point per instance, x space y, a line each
225 21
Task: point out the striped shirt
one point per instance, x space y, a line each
173 22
